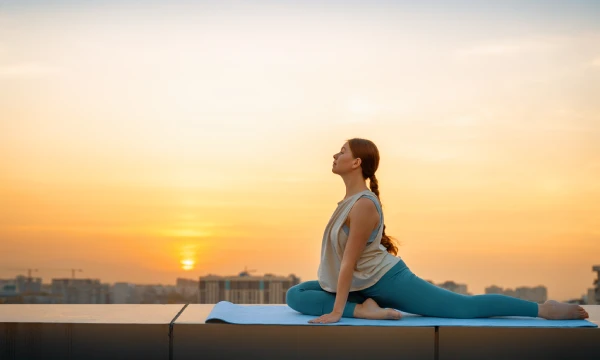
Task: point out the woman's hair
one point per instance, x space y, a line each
369 156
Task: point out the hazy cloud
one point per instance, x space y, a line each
508 47
461 121
28 70
491 49
428 153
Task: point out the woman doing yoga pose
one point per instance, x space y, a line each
360 276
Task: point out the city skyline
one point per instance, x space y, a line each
181 138
243 288
449 284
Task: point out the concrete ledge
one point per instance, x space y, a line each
64 331
226 341
464 343
522 343
84 341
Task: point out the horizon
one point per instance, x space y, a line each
197 278
178 139
278 276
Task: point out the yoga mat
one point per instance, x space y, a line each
227 312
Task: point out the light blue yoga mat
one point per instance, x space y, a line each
227 312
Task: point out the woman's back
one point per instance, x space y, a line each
374 261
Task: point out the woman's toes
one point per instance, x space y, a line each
394 315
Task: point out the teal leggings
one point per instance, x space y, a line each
400 289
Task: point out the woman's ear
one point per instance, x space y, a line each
357 162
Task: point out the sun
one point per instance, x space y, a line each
187 264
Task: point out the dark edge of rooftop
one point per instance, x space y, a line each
171 331
436 344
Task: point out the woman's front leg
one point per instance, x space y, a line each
310 299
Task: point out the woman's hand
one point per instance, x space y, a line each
332 317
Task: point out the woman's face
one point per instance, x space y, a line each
343 160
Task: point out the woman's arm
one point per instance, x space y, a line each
363 218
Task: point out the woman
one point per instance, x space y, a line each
360 276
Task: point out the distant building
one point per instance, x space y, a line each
8 289
494 290
26 284
538 294
8 292
123 293
9 285
25 290
154 294
591 297
40 298
579 301
47 288
245 289
452 286
188 289
81 291
596 268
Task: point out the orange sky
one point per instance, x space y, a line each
133 140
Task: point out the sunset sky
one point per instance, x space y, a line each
139 136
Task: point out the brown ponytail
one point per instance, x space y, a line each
369 155
386 240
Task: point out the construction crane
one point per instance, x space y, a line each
72 271
29 271
246 272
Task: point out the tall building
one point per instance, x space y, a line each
8 292
26 284
123 293
81 291
245 289
596 268
26 290
538 294
494 290
9 284
454 287
590 299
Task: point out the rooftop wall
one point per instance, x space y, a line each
167 332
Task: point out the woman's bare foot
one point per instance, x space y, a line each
554 310
370 310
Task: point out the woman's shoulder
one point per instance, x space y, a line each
367 202
371 200
370 195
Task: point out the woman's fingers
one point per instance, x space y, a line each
317 320
324 319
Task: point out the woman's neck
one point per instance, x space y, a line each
354 185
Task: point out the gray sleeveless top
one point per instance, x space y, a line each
374 261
